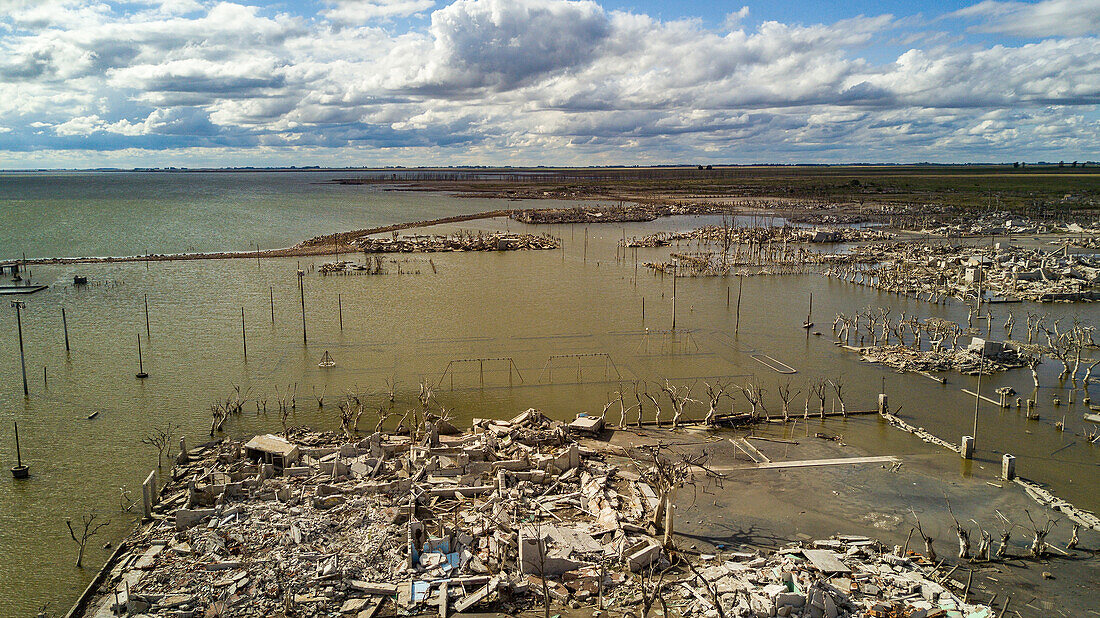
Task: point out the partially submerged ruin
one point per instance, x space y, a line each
512 515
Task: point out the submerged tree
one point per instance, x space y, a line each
161 440
88 529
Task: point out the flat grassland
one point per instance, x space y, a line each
1044 190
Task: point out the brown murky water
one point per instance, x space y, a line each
567 324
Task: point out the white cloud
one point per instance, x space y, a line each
526 81
361 11
734 19
1047 18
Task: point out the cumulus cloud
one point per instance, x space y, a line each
534 81
1047 18
504 43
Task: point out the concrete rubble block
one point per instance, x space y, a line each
149 557
557 591
477 596
327 502
372 609
353 606
587 425
373 588
642 554
535 559
584 582
186 518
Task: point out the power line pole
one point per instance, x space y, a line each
302 292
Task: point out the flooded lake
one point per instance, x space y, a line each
494 333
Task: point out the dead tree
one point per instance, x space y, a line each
161 440
962 533
679 397
1073 540
320 398
656 407
1006 534
838 388
89 529
219 413
786 396
715 393
984 543
755 396
1039 542
929 551
817 387
668 475
1061 347
350 411
425 398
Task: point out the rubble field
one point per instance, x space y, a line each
510 516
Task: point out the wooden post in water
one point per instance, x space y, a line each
65 327
737 320
148 335
244 337
18 304
302 292
340 310
585 258
271 294
19 471
674 278
141 366
45 383
643 310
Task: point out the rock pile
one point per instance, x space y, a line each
966 361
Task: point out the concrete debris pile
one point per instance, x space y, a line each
429 243
503 517
591 214
1000 224
843 576
721 235
999 273
320 525
374 265
968 361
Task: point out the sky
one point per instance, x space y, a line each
224 83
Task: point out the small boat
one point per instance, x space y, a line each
326 360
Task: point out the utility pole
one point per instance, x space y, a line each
19 305
244 336
674 298
65 327
302 292
737 320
